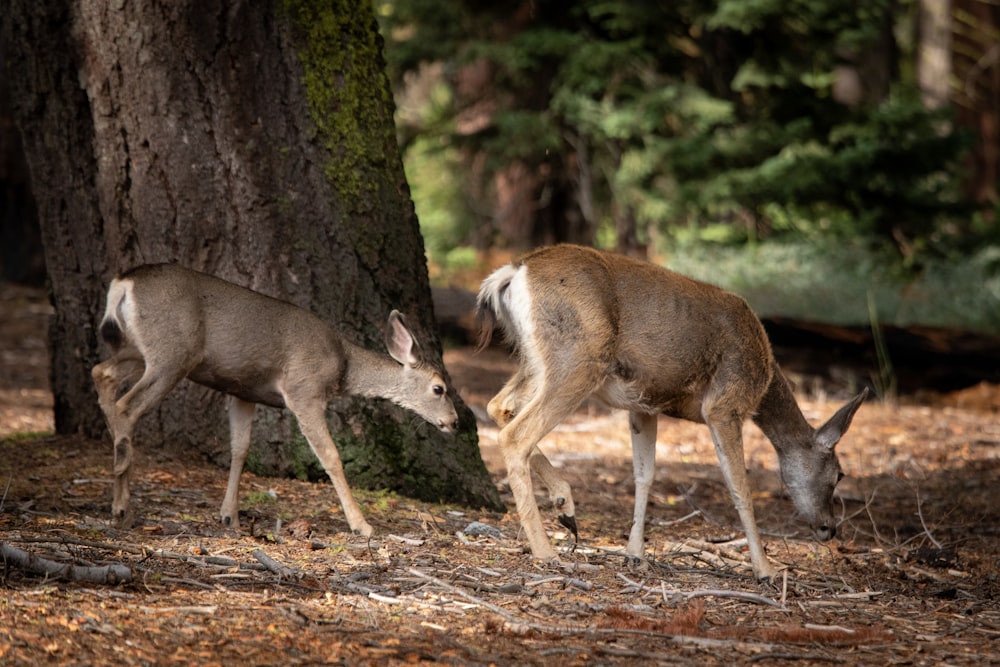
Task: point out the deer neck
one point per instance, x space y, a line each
779 417
370 374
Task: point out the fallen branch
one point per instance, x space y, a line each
274 566
114 573
146 552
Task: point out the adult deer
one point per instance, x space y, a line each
167 323
650 341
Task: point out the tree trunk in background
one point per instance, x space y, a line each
251 140
865 75
934 52
976 71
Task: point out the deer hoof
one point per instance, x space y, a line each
122 518
364 531
569 522
768 577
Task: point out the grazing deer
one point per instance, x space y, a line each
650 341
167 323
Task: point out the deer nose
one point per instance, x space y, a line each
825 532
448 427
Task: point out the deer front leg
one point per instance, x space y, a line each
559 490
240 423
519 476
518 441
112 378
643 428
728 438
311 414
157 375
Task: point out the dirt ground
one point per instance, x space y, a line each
913 577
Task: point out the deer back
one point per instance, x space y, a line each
221 335
665 340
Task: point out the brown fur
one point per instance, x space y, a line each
167 323
650 341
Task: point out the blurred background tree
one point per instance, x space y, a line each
798 152
641 125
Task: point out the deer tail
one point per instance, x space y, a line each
113 322
490 306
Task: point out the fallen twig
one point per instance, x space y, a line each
570 581
409 601
78 542
206 610
720 550
920 513
3 498
684 518
687 595
868 510
810 657
113 573
519 625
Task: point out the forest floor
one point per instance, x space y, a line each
913 577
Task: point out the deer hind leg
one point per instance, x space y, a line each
727 434
240 422
507 403
643 428
311 413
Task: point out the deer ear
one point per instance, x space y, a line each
829 434
400 342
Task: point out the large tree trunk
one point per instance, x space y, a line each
251 140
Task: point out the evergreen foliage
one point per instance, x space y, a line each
717 116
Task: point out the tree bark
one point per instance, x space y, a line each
250 140
114 573
21 258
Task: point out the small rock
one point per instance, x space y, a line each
478 528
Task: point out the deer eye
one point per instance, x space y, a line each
438 390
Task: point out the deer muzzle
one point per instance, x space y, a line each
825 532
